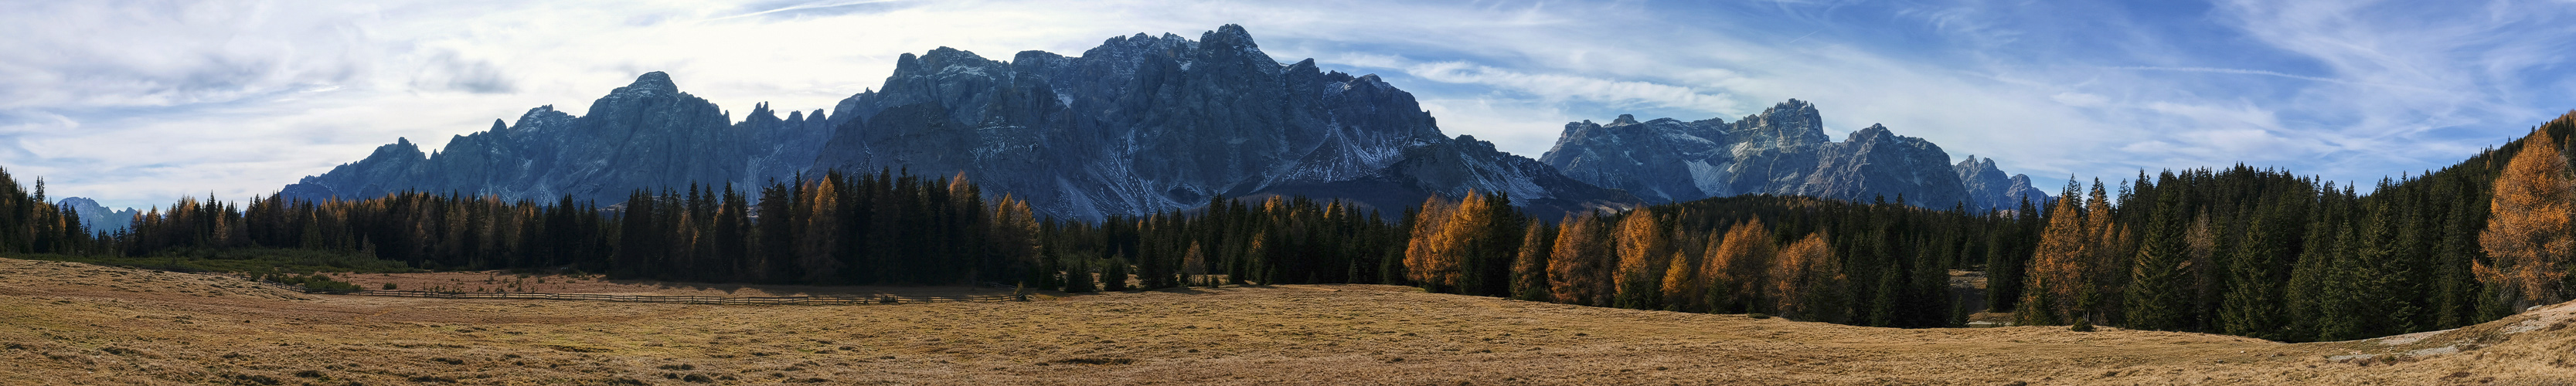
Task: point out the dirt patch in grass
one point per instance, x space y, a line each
55 330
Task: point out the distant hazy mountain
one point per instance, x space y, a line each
1137 125
1782 151
645 135
98 217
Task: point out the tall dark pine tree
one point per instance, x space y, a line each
2155 299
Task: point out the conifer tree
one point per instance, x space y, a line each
2455 302
2252 305
1529 265
2008 258
1114 277
817 250
1194 265
1811 283
2527 238
2154 299
1579 267
1078 276
1740 269
1683 286
1644 249
2056 279
1015 236
1431 258
2303 297
2107 266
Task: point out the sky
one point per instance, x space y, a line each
138 103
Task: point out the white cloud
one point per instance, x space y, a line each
1557 87
137 103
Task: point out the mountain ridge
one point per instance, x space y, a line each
1783 151
1141 124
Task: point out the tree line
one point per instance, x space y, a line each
30 224
1877 264
832 229
2239 250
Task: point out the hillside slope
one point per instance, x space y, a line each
150 332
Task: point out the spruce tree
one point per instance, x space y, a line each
1114 277
2252 305
2155 301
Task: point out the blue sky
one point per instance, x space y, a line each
137 103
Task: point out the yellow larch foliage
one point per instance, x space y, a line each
1741 263
1808 280
2527 229
2058 265
1644 250
1578 269
1430 258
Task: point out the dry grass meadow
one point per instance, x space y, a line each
70 323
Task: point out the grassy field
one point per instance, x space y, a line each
71 323
239 260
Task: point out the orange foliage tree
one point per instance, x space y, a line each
1644 249
1740 265
2527 231
1809 282
1430 258
2057 268
1578 267
1529 265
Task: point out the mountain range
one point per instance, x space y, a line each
1781 151
1144 124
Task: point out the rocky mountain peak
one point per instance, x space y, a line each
1145 123
1137 125
1990 188
1875 132
1227 34
98 217
402 146
1783 150
651 82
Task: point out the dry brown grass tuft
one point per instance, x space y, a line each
61 331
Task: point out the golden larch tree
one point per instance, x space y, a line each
1741 263
1529 264
1644 249
2527 228
1578 267
2112 249
1423 255
1809 281
814 252
2057 266
1684 286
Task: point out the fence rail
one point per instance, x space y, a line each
679 299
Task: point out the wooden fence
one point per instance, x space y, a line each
681 299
